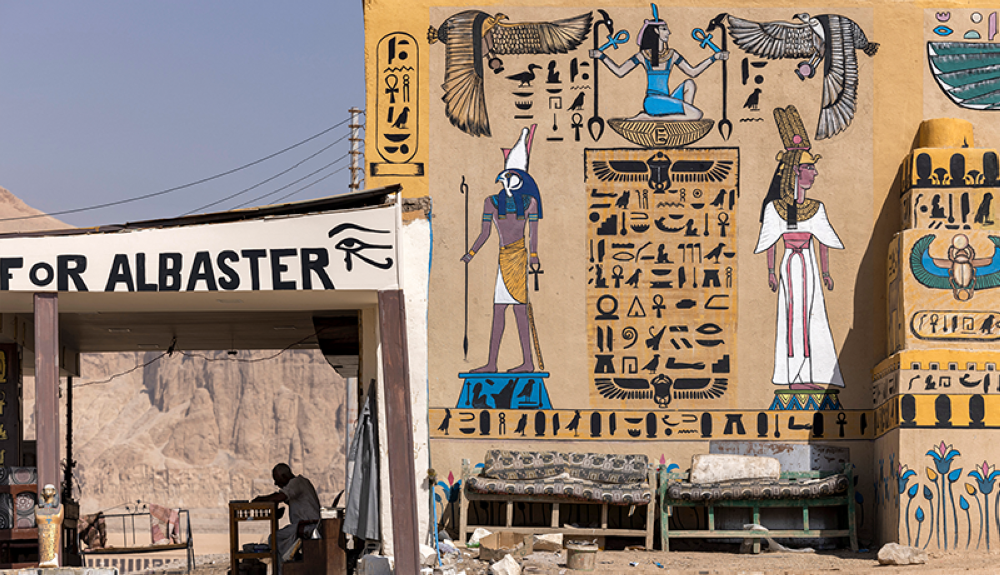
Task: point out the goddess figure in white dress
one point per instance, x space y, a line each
804 353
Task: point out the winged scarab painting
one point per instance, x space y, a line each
660 172
960 271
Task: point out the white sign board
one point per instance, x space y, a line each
347 250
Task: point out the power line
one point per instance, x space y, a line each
290 184
177 188
307 186
126 372
204 357
259 184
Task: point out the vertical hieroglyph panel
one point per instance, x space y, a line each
397 113
661 287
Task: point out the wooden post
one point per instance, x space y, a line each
47 391
399 416
47 388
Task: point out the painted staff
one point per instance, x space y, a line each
534 269
725 127
464 189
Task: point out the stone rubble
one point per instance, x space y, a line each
895 554
506 566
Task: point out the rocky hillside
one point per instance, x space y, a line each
12 207
196 430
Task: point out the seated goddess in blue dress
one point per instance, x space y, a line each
658 59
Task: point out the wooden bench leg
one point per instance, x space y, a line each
463 515
665 528
756 519
650 522
851 527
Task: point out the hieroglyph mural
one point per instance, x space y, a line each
397 107
661 292
597 167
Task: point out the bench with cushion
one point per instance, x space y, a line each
128 518
553 477
793 489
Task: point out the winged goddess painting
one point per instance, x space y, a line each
828 39
472 36
805 355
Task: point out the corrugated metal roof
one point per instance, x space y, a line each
362 199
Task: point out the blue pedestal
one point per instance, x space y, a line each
806 400
504 391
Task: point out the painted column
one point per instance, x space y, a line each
936 404
47 387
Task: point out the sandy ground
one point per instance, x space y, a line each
212 550
723 563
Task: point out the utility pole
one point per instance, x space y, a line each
357 156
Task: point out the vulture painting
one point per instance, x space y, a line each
829 38
472 36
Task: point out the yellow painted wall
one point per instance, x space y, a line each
582 183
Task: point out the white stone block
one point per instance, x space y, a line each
506 566
477 535
896 554
548 542
715 468
428 556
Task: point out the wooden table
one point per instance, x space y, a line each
240 511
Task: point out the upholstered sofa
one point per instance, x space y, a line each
803 490
554 477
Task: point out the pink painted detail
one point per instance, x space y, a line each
796 237
797 243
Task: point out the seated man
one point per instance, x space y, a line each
303 507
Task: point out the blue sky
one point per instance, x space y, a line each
105 100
